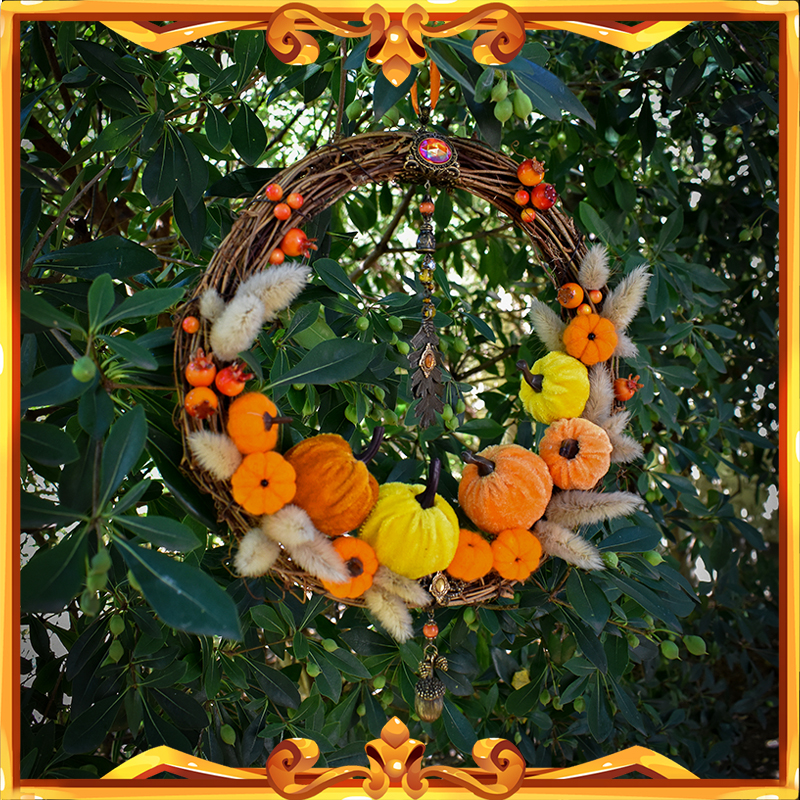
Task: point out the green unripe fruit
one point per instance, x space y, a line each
757 232
84 369
695 645
561 137
328 66
362 323
447 412
468 35
460 346
690 350
461 407
390 418
653 557
354 110
312 669
545 697
116 625
517 737
331 47
699 56
469 615
679 350
403 348
552 143
522 104
116 651
424 77
499 91
380 394
329 645
351 414
651 496
361 710
133 582
745 235
696 359
395 323
707 51
669 650
90 603
391 117
216 98
96 581
579 704
648 620
775 61
227 734
101 562
503 110
633 640
769 75
394 340
379 682
610 559
452 424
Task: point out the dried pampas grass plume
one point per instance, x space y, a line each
215 453
409 591
211 305
256 554
601 395
594 272
622 303
391 612
625 347
319 558
548 325
290 526
237 327
576 507
567 545
276 287
626 448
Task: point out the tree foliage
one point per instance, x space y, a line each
134 166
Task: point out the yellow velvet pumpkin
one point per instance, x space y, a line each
556 387
334 487
413 530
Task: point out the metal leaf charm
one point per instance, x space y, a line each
426 382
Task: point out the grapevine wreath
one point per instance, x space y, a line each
310 512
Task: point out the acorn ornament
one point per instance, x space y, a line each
429 690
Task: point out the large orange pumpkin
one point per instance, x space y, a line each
577 452
504 486
253 423
361 563
590 338
264 483
334 487
473 558
517 553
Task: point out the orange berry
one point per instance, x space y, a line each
528 214
570 295
294 200
584 309
277 256
521 197
273 192
282 211
595 295
530 172
201 403
190 324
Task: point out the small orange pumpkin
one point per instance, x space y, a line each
590 338
473 558
253 423
334 486
516 554
361 563
263 483
504 486
577 452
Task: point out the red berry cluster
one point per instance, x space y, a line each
282 211
541 195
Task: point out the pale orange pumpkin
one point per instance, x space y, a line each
590 338
253 423
517 553
577 453
263 483
361 563
473 558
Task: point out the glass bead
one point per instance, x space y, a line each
435 151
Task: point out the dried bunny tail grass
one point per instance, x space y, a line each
548 325
276 287
409 591
215 453
623 302
625 347
290 526
319 558
567 545
601 395
256 554
391 612
625 448
615 425
211 305
594 272
237 327
577 507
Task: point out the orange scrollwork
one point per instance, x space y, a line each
396 44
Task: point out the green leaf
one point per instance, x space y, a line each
348 664
588 600
627 707
121 451
248 135
107 63
616 648
593 223
646 598
631 540
86 732
36 512
303 318
247 49
159 179
53 387
225 79
132 497
191 169
329 681
646 128
329 362
96 412
457 726
601 726
671 230
218 129
35 307
481 327
334 277
296 77
161 531
244 182
118 257
184 597
46 444
679 376
539 83
485 428
131 351
604 172
119 133
266 618
483 86
192 224
54 576
203 62
100 300
182 708
385 94
146 303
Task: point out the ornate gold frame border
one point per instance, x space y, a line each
502 773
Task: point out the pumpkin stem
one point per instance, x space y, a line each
485 467
371 450
269 420
534 381
355 567
427 498
569 448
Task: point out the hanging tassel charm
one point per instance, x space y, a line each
429 691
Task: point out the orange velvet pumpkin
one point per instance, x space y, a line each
577 452
590 338
504 486
361 563
334 487
473 558
263 483
253 423
516 553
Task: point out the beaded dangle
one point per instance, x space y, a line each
429 690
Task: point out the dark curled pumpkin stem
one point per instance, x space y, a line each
355 567
427 498
485 467
269 420
371 450
569 448
534 381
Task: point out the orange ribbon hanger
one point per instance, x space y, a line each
435 84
